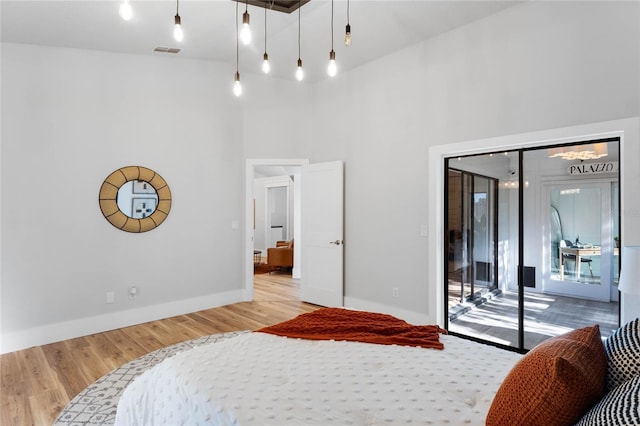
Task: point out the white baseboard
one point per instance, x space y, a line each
50 333
411 317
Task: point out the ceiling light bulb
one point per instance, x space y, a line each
125 10
299 71
347 36
237 87
178 35
265 64
245 32
332 69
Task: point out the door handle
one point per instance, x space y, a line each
336 242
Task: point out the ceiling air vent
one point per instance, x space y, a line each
166 50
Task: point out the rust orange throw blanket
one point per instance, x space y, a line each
358 326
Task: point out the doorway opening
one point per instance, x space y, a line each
532 248
272 215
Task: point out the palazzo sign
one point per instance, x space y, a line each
593 168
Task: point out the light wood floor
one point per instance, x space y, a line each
37 383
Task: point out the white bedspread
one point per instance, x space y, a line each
262 379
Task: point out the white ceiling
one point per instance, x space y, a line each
378 28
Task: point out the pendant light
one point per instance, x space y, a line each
237 87
299 71
125 10
332 69
245 33
178 35
265 62
347 35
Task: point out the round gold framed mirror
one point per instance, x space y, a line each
135 199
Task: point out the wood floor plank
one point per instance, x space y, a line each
36 370
93 364
10 373
128 347
53 400
142 334
62 361
15 408
37 383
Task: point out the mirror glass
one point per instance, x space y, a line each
137 199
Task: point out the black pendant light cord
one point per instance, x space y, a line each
347 12
332 25
299 30
237 41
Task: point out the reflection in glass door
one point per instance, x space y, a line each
472 248
582 250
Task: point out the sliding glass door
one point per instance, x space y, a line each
530 242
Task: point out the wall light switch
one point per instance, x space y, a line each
110 297
424 230
235 224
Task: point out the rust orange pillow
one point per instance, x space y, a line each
555 383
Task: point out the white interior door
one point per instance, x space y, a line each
322 222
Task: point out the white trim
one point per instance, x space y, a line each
100 323
628 130
250 165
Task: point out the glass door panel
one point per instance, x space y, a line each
480 227
568 247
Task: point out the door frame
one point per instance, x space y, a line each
627 129
250 164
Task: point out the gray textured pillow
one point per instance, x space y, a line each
619 407
623 354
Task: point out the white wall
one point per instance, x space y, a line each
276 118
539 65
70 118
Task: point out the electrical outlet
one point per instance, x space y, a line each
395 292
110 297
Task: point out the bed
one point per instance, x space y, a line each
318 371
